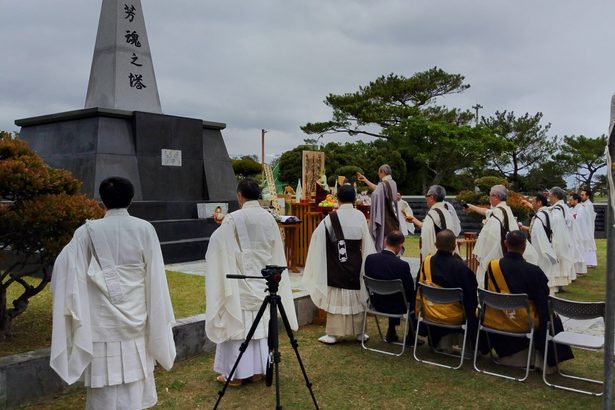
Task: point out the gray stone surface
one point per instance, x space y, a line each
117 58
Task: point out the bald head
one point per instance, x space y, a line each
446 240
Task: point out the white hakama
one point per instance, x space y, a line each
247 241
253 361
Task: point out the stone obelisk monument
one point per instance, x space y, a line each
174 162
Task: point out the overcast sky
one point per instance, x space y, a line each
270 63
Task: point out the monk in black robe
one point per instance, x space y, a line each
449 271
523 277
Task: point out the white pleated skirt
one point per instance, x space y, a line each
253 361
343 301
129 396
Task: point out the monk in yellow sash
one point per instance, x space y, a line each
512 274
446 269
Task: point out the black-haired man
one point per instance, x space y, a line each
512 274
386 265
246 241
112 314
334 265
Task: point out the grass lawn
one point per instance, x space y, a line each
345 376
32 329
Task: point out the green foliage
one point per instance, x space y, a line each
246 167
367 157
42 209
524 143
583 157
434 142
485 183
544 176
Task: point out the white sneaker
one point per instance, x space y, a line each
328 340
362 337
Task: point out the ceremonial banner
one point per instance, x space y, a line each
313 166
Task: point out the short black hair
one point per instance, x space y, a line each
116 192
576 196
346 194
587 191
446 240
542 199
516 240
248 188
395 238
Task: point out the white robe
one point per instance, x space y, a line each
590 256
428 230
102 330
547 259
489 244
405 227
561 224
581 237
246 241
455 222
335 300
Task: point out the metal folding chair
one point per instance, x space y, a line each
504 302
578 311
387 288
440 296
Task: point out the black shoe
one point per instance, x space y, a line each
391 337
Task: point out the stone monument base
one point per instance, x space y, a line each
173 162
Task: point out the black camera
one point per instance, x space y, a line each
273 272
464 204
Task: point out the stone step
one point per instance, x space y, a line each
178 229
184 250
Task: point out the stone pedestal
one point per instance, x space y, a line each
174 163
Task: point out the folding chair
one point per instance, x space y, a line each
440 296
387 288
504 302
578 311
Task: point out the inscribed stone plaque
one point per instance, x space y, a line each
171 157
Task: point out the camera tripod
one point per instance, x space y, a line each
274 302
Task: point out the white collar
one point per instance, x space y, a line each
251 204
117 212
386 178
346 206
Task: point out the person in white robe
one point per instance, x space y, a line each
246 242
112 314
344 305
561 220
406 227
455 222
384 212
438 218
540 237
590 257
580 232
499 221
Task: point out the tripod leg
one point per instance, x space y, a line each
243 347
274 345
295 346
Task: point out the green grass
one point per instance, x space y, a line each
32 329
344 376
347 377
